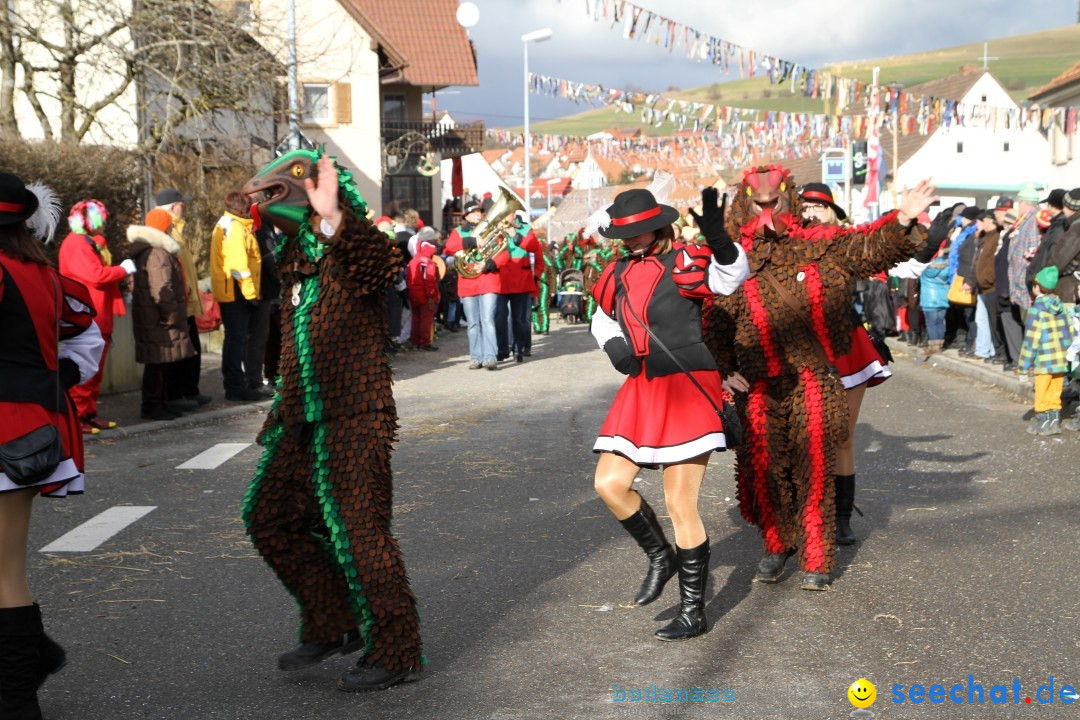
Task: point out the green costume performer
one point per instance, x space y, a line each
319 507
541 317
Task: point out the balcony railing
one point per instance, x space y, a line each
448 141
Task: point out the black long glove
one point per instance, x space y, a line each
69 372
711 224
621 358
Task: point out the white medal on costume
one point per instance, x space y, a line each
296 294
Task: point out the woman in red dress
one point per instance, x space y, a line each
49 342
648 321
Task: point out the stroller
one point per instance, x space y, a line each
571 290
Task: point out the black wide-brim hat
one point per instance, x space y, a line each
16 202
636 212
822 193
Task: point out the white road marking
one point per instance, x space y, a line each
97 530
214 457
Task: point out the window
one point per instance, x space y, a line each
959 147
393 108
984 98
316 102
1006 147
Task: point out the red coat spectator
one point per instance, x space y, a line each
84 257
422 279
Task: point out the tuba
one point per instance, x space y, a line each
490 235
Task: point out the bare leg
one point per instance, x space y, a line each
613 482
682 482
14 529
845 453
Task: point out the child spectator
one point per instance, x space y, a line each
1046 341
423 281
934 300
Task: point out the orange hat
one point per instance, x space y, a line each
159 220
1043 219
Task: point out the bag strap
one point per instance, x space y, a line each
797 310
676 360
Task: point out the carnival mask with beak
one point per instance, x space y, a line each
770 193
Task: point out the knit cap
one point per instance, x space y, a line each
159 220
1048 278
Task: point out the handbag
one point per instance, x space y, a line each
33 457
733 428
958 295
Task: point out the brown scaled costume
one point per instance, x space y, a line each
319 508
795 413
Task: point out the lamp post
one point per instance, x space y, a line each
294 83
534 36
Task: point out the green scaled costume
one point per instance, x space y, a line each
541 313
319 507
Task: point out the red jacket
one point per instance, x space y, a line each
422 276
79 261
518 275
469 287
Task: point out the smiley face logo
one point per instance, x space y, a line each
862 693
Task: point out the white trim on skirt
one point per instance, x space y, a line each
660 455
874 370
66 472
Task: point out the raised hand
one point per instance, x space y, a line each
711 219
322 192
916 201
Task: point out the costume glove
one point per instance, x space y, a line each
129 266
711 224
69 372
621 358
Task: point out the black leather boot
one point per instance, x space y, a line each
365 677
51 658
771 566
645 529
845 501
693 575
308 654
20 635
815 581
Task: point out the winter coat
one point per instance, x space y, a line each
962 253
1066 257
518 274
1047 245
985 275
1001 268
934 285
159 305
235 259
81 259
269 280
422 276
1047 337
1025 239
486 282
187 267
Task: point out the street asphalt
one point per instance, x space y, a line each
966 565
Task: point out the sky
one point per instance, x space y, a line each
811 32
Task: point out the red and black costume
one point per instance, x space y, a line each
33 376
658 416
795 413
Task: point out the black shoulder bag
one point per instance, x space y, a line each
733 429
33 457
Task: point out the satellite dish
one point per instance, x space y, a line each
468 14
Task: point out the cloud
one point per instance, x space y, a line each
812 32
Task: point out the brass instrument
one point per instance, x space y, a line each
497 222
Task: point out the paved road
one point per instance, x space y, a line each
966 565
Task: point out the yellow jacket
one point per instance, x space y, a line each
187 264
234 255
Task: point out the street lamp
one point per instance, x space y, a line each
552 181
534 36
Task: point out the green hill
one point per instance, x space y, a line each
1023 64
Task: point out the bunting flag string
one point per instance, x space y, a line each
911 115
839 93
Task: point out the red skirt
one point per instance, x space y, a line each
863 365
17 419
664 420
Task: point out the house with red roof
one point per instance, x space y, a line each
1062 91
